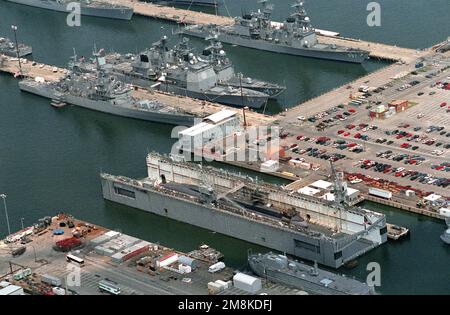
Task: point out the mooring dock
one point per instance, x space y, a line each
182 16
189 105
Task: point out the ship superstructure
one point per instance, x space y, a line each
259 213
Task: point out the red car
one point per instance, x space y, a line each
443 104
358 136
346 134
405 145
351 110
350 126
340 132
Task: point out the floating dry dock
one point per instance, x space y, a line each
259 213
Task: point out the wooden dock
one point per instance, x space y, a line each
182 16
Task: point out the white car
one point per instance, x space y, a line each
302 118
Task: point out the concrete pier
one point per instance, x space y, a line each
193 106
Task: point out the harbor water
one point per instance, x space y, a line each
50 159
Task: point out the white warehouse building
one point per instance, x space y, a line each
213 127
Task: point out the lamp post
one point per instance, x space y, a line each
3 196
14 28
21 222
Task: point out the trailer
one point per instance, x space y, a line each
385 194
54 281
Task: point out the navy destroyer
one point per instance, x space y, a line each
8 48
101 91
172 71
281 269
88 7
296 36
265 214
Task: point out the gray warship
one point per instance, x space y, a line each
281 269
173 71
88 7
8 48
296 36
259 213
227 75
101 91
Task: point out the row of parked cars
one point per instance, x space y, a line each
402 172
444 166
401 157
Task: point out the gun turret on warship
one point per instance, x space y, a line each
8 48
88 7
182 72
103 92
296 36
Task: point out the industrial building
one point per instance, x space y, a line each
214 127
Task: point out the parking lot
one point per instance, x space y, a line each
418 138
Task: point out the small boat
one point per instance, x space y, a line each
445 237
396 232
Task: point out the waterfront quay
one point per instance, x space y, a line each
139 267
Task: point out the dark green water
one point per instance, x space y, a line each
50 159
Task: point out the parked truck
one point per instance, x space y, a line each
380 193
53 281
